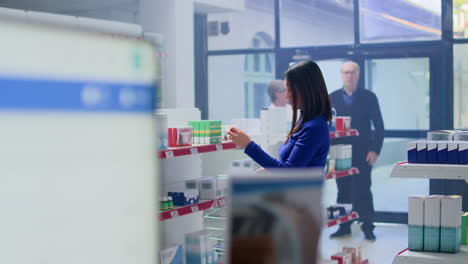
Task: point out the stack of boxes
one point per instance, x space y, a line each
206 131
180 136
442 147
343 123
435 223
344 156
197 250
209 187
349 255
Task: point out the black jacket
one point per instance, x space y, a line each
364 111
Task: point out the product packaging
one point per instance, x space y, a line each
416 223
464 229
450 225
196 247
422 151
442 152
412 148
343 123
343 258
431 152
441 135
355 253
172 255
180 136
452 152
463 152
432 217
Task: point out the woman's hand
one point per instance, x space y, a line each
239 138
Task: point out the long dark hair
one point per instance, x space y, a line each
305 80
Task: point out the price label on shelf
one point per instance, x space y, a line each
194 151
194 209
219 147
174 214
169 154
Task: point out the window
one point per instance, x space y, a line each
237 85
316 22
460 74
235 29
460 19
402 87
402 20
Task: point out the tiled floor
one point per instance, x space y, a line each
391 239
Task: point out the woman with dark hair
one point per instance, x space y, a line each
308 141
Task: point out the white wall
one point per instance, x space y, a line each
174 20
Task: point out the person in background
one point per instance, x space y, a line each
277 93
363 107
308 141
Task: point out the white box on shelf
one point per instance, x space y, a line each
441 135
450 230
432 210
416 223
461 136
208 186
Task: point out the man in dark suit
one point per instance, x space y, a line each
363 107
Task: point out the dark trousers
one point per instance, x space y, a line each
356 190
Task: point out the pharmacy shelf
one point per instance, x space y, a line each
342 219
413 257
430 171
195 149
193 208
344 133
341 174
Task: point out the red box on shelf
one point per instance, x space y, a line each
180 136
343 258
343 123
355 252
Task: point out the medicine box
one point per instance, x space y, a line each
431 152
172 255
422 151
450 225
442 152
452 152
196 247
208 187
355 254
416 223
441 135
343 258
432 218
461 136
463 152
180 136
464 229
343 123
412 152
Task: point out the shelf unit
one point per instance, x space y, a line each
344 133
430 171
341 174
342 219
195 149
193 208
413 257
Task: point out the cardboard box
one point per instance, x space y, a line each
172 255
442 152
461 136
343 123
343 258
416 223
450 225
431 152
180 136
422 151
432 217
441 135
463 152
196 247
208 187
452 152
355 253
464 229
412 152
